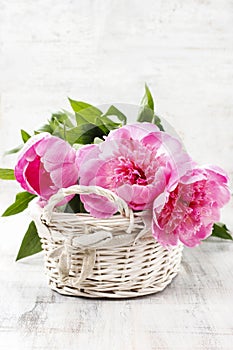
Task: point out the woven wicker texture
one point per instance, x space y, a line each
114 258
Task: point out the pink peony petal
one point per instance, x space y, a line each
152 140
189 211
98 206
46 164
136 131
83 152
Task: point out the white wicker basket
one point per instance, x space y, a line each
114 258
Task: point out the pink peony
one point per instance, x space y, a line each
137 162
46 164
187 213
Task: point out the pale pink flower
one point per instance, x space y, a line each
46 164
187 213
137 162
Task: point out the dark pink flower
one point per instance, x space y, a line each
138 162
187 213
46 164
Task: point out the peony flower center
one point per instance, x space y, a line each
184 204
128 172
168 209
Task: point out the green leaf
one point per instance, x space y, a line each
7 174
13 150
147 99
88 114
25 136
115 111
68 113
44 128
220 230
21 203
30 244
157 121
89 124
62 118
145 115
146 112
81 128
79 106
86 117
58 129
109 124
84 134
57 124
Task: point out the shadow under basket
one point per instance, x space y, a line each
115 257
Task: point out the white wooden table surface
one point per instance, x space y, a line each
103 51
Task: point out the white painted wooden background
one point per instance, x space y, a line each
102 52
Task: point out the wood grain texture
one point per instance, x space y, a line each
194 312
103 51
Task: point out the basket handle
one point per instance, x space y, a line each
89 242
79 189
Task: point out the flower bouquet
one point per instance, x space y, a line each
113 203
